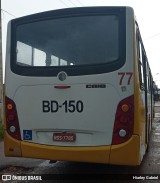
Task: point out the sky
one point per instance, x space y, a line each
147 14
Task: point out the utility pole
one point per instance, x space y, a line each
1 65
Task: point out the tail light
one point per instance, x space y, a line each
62 87
12 123
124 121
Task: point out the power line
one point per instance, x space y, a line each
153 36
72 3
80 2
8 13
64 3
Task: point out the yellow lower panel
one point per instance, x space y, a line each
124 154
12 147
127 153
82 154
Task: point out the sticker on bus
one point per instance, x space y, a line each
27 134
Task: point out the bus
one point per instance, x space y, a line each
78 87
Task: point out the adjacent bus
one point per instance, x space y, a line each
78 87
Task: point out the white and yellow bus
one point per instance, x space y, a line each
78 87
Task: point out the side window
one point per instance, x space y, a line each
24 54
140 62
39 57
143 66
29 56
149 83
147 75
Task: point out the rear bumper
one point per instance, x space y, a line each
124 154
81 154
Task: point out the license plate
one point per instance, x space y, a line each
64 137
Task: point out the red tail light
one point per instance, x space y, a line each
62 87
12 123
11 117
124 121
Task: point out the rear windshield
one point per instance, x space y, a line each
68 42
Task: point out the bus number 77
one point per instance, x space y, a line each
125 75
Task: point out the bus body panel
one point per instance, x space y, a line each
92 126
78 109
87 109
127 153
12 147
139 110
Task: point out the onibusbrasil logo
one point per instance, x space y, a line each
21 177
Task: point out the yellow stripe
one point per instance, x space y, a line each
81 154
127 153
11 143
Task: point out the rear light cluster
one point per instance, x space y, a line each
124 121
12 123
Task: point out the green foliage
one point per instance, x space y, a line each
1 131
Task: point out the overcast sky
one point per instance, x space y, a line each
147 14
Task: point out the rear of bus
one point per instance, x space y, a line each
69 86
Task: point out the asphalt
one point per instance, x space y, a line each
13 161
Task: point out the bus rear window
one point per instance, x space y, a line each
78 41
72 41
